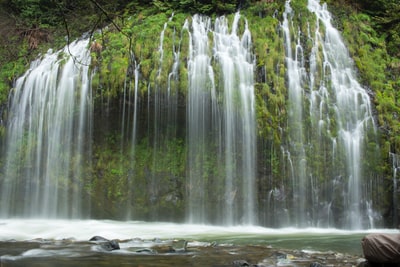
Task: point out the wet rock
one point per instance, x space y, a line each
98 238
13 247
163 249
180 247
240 263
106 244
110 245
200 254
284 259
170 246
145 251
366 263
244 263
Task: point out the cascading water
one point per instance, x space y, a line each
201 104
155 118
340 119
160 120
49 132
130 95
329 121
221 124
296 78
350 104
395 167
236 61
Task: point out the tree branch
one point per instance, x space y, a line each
106 14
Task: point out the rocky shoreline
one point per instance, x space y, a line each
158 253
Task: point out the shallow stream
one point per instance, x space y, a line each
66 243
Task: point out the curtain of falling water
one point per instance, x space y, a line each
49 125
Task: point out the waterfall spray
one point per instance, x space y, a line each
329 120
48 129
221 122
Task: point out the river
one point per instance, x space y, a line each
66 243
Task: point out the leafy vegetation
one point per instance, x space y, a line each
132 38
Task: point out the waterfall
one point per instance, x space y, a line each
395 167
221 123
162 113
130 95
187 131
350 105
200 107
335 133
296 79
49 132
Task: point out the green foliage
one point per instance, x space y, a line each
270 88
9 72
141 37
385 18
264 8
376 55
36 12
154 175
372 59
192 6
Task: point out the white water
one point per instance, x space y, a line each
329 120
46 136
395 168
54 242
296 76
221 122
161 111
221 127
237 68
341 93
131 88
83 230
201 104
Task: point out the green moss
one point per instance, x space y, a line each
10 71
372 60
155 173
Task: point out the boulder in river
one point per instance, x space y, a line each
106 244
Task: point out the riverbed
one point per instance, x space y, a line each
67 243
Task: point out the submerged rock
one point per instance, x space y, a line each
240 263
106 244
144 253
110 245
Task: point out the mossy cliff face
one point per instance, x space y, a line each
159 162
160 148
138 166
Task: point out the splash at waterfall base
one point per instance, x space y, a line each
66 243
221 122
188 135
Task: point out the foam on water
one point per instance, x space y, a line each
83 230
